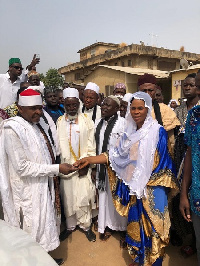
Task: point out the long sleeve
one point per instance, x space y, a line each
19 161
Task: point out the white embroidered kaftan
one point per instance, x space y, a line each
26 181
77 193
108 216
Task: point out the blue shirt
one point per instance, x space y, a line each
192 139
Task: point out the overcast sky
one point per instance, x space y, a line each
57 29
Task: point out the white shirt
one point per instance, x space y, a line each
89 112
8 90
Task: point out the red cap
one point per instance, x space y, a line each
29 92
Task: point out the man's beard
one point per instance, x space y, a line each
72 117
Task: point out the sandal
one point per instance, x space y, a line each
105 236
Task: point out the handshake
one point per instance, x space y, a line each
81 166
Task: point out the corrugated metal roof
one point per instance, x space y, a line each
197 66
139 71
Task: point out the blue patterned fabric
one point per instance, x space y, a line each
148 218
192 139
55 114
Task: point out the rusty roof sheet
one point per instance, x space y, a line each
139 71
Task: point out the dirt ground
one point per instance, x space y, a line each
76 250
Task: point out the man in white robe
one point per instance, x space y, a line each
27 172
76 140
90 99
108 217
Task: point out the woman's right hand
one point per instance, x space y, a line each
82 163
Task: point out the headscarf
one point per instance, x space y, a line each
133 157
172 100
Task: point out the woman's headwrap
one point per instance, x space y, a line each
172 100
127 98
133 157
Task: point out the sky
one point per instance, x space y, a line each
57 29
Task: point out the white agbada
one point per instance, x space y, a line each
77 193
26 181
108 216
89 112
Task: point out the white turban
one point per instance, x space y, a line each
30 97
70 93
92 86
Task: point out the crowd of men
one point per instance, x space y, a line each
45 130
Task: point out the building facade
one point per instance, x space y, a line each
124 56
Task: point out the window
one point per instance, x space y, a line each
123 63
129 63
166 66
77 76
109 90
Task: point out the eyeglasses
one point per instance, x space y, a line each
18 67
148 90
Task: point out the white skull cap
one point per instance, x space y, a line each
70 93
92 86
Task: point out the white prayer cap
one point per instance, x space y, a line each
30 97
140 95
37 88
115 98
92 86
127 97
70 93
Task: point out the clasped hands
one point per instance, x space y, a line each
81 166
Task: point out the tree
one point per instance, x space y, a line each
42 77
53 78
